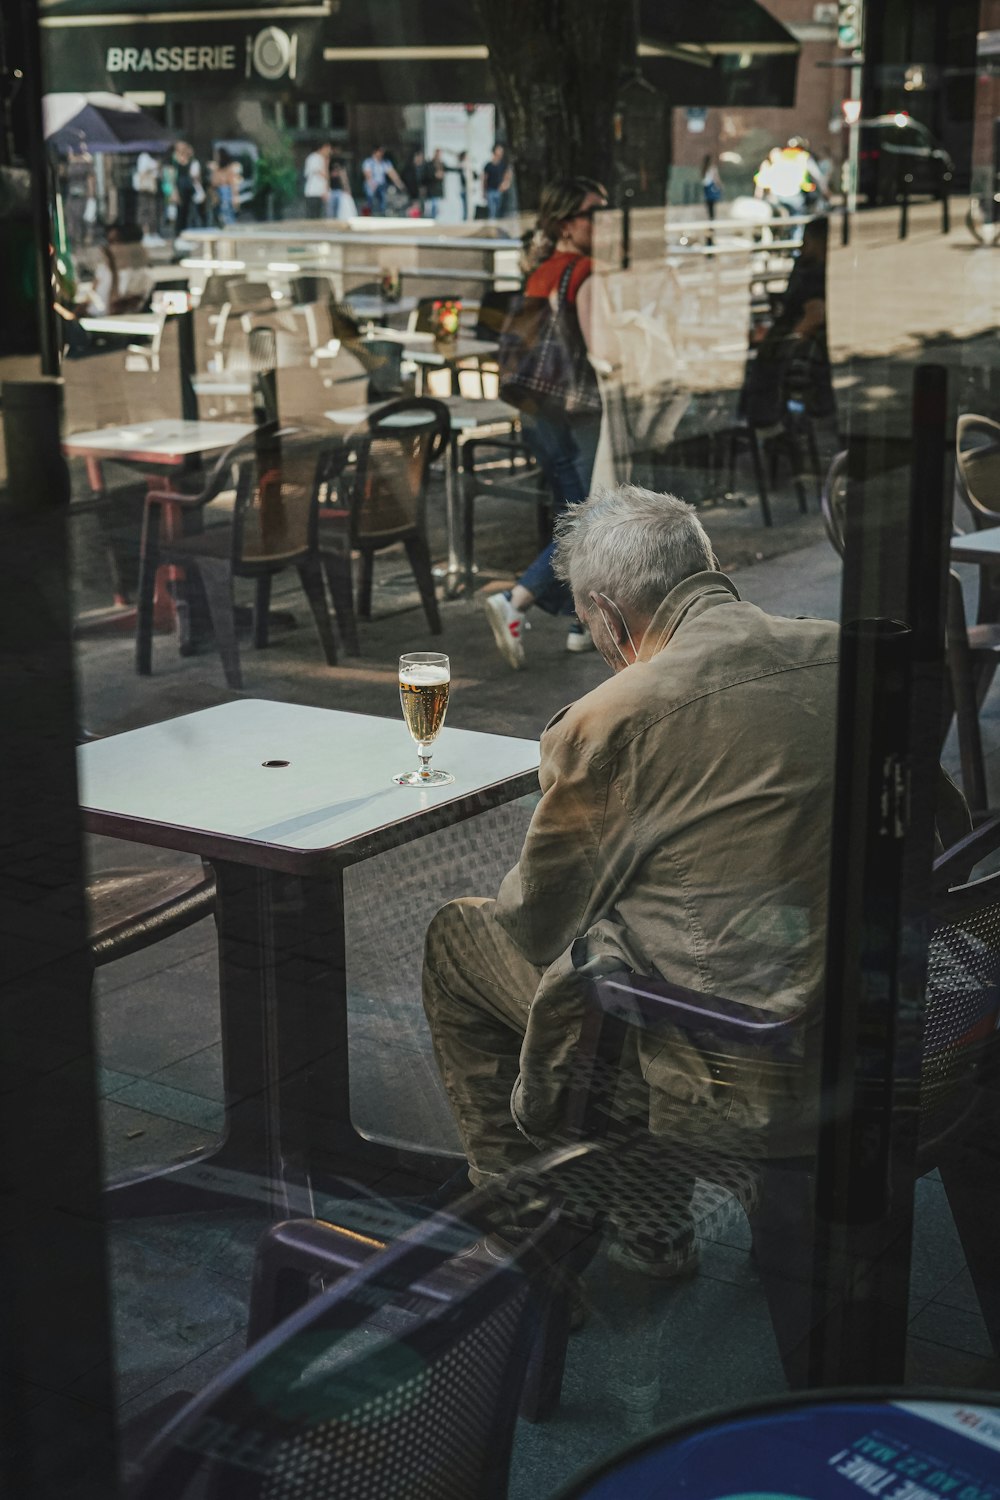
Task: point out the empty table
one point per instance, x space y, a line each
281 799
159 446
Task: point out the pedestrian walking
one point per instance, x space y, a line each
559 400
497 178
378 171
316 172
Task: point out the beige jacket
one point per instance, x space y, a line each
684 826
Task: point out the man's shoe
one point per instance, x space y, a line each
671 1263
579 638
507 625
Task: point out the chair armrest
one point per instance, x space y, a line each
505 446
647 1001
176 497
956 864
288 1256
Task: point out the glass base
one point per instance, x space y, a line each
424 778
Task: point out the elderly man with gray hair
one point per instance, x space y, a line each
683 828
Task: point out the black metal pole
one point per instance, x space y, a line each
904 209
56 1361
626 236
27 60
889 725
945 210
186 365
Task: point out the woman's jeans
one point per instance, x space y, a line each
225 207
565 452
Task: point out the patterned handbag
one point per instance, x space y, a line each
544 366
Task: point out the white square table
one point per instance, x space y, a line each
159 446
281 799
164 443
981 547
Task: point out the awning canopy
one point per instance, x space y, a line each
393 51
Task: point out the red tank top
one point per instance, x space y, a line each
545 278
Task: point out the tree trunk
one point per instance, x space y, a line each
557 66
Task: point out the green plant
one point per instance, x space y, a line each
277 179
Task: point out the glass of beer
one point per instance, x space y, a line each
424 681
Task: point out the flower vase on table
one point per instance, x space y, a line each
389 286
446 319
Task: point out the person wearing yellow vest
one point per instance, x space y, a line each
789 177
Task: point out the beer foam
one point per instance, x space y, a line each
424 674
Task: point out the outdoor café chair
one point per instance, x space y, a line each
379 498
278 474
402 1377
958 1104
500 468
977 483
977 467
972 652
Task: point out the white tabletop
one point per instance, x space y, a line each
465 413
164 441
135 325
199 783
977 546
444 354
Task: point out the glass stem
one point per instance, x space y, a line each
424 751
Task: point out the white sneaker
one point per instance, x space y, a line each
579 638
507 625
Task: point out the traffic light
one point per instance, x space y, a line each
849 23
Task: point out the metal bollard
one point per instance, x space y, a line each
904 210
945 210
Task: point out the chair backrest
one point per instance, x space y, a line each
977 466
833 497
215 292
393 451
344 324
493 309
309 289
249 296
421 319
402 1379
279 486
382 361
962 1014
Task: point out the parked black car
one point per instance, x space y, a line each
894 148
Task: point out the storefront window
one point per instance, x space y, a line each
508 1090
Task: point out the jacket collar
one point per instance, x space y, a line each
692 596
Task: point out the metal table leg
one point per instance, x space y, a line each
283 1000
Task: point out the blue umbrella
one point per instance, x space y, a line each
101 122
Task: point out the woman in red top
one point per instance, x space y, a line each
564 450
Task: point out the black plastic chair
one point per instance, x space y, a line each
972 652
278 473
381 499
403 1378
493 309
959 1105
500 468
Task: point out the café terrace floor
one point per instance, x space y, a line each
180 1284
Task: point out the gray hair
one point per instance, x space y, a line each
631 544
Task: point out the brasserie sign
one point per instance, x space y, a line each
220 56
271 54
